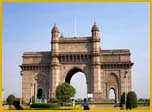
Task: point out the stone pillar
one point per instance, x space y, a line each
96 82
96 69
55 73
55 66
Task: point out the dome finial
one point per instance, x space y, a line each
95 27
55 28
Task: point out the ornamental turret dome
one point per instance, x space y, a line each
55 29
95 27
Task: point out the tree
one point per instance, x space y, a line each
64 92
122 99
131 100
10 99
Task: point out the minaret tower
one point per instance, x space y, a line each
95 38
54 67
96 70
55 40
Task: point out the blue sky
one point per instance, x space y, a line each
27 27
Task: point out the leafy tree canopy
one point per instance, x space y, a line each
65 91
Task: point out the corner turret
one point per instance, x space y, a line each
55 33
95 31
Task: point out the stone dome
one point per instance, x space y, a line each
55 29
95 27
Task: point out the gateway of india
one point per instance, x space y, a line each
104 70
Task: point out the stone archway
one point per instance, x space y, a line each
71 73
81 87
42 84
112 83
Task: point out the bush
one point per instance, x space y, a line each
41 105
17 105
53 100
122 99
64 92
131 100
10 99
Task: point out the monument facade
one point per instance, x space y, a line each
104 70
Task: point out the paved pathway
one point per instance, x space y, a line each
93 107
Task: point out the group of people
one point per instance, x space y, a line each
85 104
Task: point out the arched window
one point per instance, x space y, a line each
39 93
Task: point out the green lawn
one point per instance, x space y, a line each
50 107
68 107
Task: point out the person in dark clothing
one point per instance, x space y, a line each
85 104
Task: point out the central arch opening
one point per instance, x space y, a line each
77 79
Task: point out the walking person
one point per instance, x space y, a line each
85 104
